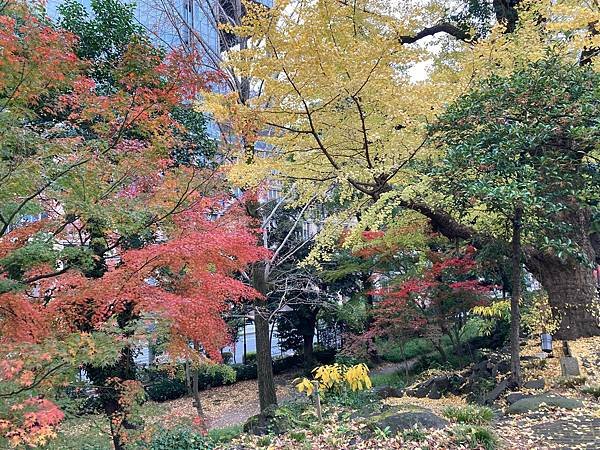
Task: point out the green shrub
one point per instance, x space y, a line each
592 389
286 363
162 387
347 360
394 352
475 437
212 375
250 358
469 414
298 436
414 434
244 371
395 379
224 435
181 438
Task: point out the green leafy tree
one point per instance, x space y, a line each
519 164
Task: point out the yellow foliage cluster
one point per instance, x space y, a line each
337 377
342 109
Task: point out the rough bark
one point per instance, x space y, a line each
308 350
573 297
264 363
515 298
572 291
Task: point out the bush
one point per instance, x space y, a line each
348 360
414 434
592 389
392 351
250 358
475 437
212 375
162 387
395 379
469 414
181 438
224 435
244 371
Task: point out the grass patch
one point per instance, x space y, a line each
225 435
469 414
475 437
591 389
414 434
395 379
394 352
571 382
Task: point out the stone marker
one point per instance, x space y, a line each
569 366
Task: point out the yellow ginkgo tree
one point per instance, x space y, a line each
341 97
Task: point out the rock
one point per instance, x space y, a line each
503 366
542 355
514 397
569 366
540 383
402 420
388 391
493 395
265 423
533 403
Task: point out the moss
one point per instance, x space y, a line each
534 403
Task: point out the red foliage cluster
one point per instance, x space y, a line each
444 290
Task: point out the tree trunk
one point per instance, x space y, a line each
573 297
570 284
264 363
307 349
515 298
197 402
110 397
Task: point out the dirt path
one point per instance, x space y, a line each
389 368
225 406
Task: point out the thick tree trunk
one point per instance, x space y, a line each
573 297
515 298
571 288
264 363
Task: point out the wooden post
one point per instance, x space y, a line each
318 400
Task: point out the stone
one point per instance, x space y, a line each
503 366
569 366
388 391
398 421
542 355
540 383
514 397
534 402
493 395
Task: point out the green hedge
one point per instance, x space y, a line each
160 386
181 438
